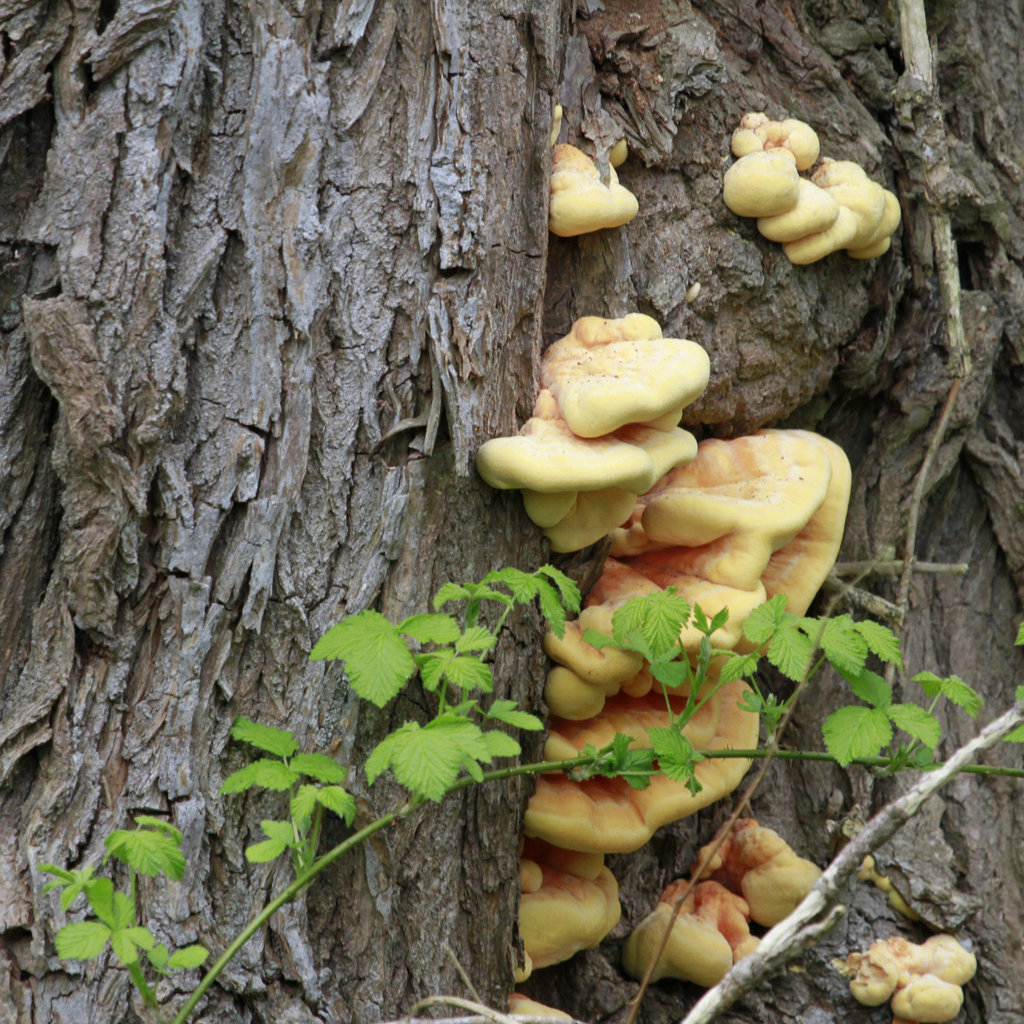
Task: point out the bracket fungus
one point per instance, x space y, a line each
709 934
523 1006
924 981
603 428
757 133
580 201
569 902
758 864
762 184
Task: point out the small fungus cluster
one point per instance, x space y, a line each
924 981
838 207
580 201
753 876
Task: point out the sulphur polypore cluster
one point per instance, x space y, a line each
838 207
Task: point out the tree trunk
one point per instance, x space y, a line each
269 275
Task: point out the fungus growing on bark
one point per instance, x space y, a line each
762 184
923 980
811 248
758 132
757 863
569 902
880 241
709 934
580 201
609 816
815 211
523 1006
847 183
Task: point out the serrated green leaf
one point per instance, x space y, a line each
124 949
302 805
319 767
1020 635
551 607
790 650
1016 736
124 911
100 895
522 584
476 638
279 831
700 620
264 737
916 722
739 666
881 641
188 956
500 744
377 661
141 936
432 667
597 640
148 852
469 673
380 757
676 757
568 591
159 956
64 877
762 622
82 940
263 853
338 800
473 769
672 674
449 592
430 629
843 645
160 825
1019 693
854 732
426 761
658 618
720 619
954 689
506 711
870 687
275 775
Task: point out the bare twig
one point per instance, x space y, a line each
470 987
464 1004
822 907
897 565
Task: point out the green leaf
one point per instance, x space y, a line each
954 689
476 638
159 956
377 661
450 592
524 585
790 650
71 883
279 831
739 666
762 622
598 640
319 767
881 641
843 645
188 956
265 737
338 800
506 711
82 940
124 911
432 667
720 619
854 732
1017 735
1020 636
148 821
473 769
672 673
676 757
870 687
551 607
280 838
269 774
917 722
100 895
302 805
430 629
150 853
500 744
567 588
469 673
658 618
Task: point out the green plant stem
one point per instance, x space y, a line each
536 768
148 996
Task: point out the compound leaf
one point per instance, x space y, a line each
762 622
150 853
881 641
843 644
854 732
338 800
954 689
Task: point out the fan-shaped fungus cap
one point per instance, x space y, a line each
574 907
523 1006
881 239
609 665
759 491
757 132
927 999
812 248
708 935
580 201
847 183
605 374
547 456
757 863
815 211
608 815
618 153
762 184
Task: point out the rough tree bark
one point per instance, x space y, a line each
269 274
